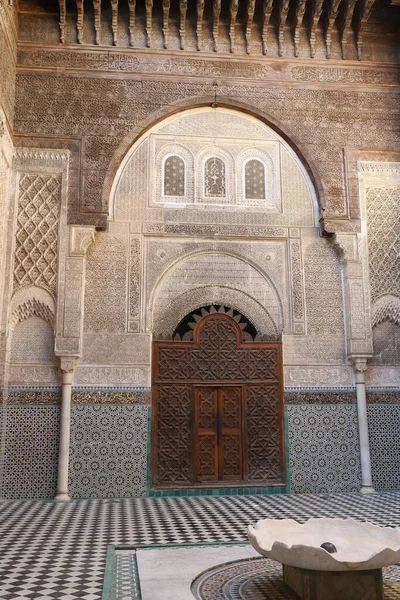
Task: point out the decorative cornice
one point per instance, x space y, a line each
31 158
88 58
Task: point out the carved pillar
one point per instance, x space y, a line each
67 372
71 289
360 366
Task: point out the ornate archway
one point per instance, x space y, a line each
217 408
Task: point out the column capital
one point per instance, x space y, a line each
359 364
68 363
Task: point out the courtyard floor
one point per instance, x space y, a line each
52 551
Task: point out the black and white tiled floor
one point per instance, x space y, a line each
57 551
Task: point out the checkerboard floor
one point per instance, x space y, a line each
54 551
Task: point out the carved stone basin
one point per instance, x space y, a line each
360 546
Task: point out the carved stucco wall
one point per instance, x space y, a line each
8 53
156 263
380 200
322 120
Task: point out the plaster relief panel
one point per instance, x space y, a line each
37 231
107 348
380 202
106 284
323 288
224 273
241 173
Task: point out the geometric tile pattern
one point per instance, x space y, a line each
31 451
52 551
108 455
324 453
261 579
384 439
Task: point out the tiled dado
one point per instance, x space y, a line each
29 464
384 439
109 450
324 455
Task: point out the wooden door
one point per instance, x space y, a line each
218 446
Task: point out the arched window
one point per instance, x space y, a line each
254 180
174 176
214 178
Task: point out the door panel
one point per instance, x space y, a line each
230 449
206 433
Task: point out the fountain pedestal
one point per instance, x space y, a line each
331 585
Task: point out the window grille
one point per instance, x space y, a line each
214 178
254 175
174 176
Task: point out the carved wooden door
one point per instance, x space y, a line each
218 444
217 413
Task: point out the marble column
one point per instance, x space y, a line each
67 373
360 366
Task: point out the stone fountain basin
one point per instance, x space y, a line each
360 546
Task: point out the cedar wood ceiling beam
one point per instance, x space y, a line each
345 24
132 10
233 8
114 20
63 10
199 22
267 10
149 21
97 19
166 5
251 4
282 16
182 22
362 18
332 14
216 15
316 12
79 20
298 20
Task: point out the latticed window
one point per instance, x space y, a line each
214 178
174 176
254 177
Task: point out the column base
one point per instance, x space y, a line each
367 489
62 498
331 585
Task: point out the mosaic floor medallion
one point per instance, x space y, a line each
261 579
